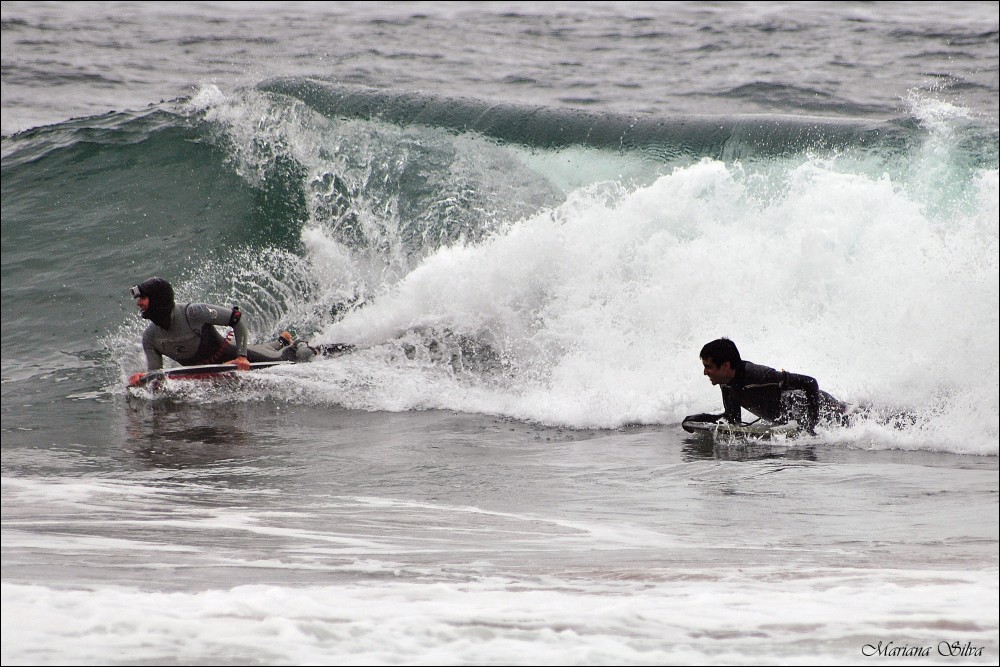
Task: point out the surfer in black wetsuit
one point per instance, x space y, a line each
187 333
777 396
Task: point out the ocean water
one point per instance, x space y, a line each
528 217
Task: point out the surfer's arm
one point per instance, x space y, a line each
733 411
808 385
240 336
240 333
154 360
222 316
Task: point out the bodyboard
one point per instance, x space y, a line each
196 372
758 430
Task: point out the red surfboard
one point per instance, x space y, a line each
195 372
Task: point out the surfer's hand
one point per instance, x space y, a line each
702 418
136 379
241 363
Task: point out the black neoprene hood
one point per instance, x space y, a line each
161 301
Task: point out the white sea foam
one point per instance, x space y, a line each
809 617
601 305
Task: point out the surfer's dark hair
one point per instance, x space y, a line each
721 350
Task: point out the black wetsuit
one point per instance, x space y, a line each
778 396
192 339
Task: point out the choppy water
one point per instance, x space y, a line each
529 218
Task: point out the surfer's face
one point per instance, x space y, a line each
722 374
142 302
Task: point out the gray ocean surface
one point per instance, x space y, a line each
528 217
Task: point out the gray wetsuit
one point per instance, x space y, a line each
192 338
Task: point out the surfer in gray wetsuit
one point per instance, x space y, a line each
777 396
187 333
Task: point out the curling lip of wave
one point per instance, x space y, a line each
553 127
